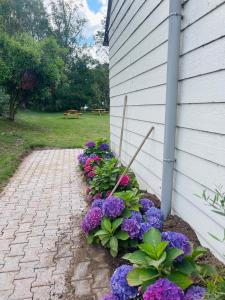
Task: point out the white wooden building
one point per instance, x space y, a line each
137 33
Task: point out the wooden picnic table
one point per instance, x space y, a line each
100 111
72 113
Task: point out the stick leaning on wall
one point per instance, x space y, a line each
132 160
122 127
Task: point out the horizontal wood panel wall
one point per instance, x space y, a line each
138 35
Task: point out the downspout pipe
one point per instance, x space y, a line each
171 105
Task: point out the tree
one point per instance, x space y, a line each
66 22
26 66
19 16
100 86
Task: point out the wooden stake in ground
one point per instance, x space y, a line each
132 160
122 127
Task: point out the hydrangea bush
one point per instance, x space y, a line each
163 265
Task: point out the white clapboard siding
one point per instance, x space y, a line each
151 23
148 44
207 88
196 34
208 117
115 12
146 80
194 10
194 141
140 128
154 113
213 53
138 69
150 61
148 96
125 16
135 140
135 20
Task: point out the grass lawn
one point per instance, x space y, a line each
35 130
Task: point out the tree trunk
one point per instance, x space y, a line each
12 107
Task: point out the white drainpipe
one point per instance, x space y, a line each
171 104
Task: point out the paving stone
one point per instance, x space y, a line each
27 270
22 289
6 281
82 271
41 293
82 287
43 277
101 278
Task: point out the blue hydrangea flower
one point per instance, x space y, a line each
132 227
137 216
146 204
163 289
113 207
104 147
82 158
90 144
177 240
195 292
120 286
92 219
98 203
109 155
154 212
110 297
152 223
93 155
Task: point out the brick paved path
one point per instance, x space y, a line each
43 254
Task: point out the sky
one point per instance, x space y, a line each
94 12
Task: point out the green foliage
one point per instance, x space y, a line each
46 46
106 176
154 260
23 55
217 203
4 103
215 289
24 16
110 234
131 198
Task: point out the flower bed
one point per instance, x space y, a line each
161 265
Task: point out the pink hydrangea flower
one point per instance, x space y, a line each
87 168
125 180
91 174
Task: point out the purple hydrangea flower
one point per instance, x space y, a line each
92 219
195 292
98 203
146 204
132 227
177 240
90 144
154 212
119 284
163 289
137 216
110 297
113 207
104 147
152 223
82 158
